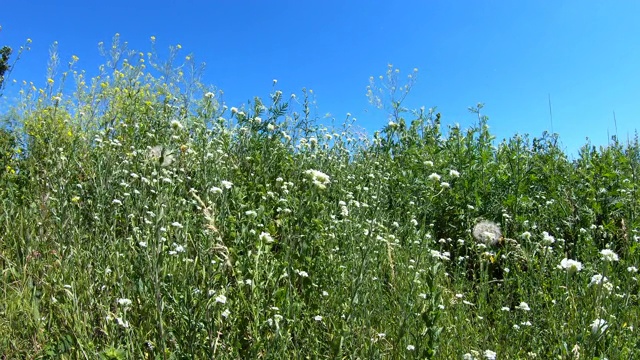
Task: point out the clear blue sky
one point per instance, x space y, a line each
507 54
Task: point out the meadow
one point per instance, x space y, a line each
142 218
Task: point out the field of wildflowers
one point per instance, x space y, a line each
141 218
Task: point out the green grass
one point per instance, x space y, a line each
141 219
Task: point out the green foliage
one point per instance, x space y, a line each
142 218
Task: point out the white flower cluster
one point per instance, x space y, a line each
320 179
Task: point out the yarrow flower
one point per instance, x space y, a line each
609 255
434 177
320 179
487 232
226 184
571 266
490 355
523 306
266 237
124 302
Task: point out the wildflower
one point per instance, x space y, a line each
221 299
251 213
123 323
176 125
526 235
226 313
445 185
434 177
632 269
468 356
319 178
598 279
599 326
411 347
302 273
490 355
317 318
209 95
547 239
414 222
116 202
428 163
609 255
143 244
454 173
216 190
266 237
487 232
571 266
124 302
523 306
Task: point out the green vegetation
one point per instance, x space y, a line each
143 219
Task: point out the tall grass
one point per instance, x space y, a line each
143 218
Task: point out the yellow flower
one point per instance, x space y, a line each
50 81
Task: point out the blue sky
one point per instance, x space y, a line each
510 55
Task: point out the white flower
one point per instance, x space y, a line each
487 232
411 347
143 244
434 177
598 326
124 302
445 185
547 239
251 213
226 184
177 224
124 324
266 237
609 255
632 269
226 313
175 124
116 202
597 279
454 173
414 222
317 318
468 356
302 273
570 265
318 178
209 95
523 306
221 299
216 190
490 355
